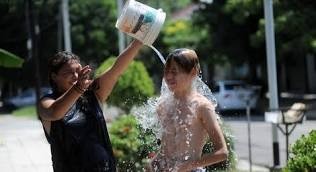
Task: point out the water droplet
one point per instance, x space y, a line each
186 157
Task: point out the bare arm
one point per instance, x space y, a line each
52 110
210 123
106 82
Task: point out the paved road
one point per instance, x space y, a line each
261 139
23 147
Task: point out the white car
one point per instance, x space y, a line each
235 94
26 98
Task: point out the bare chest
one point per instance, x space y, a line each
179 116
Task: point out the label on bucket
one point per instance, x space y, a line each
140 21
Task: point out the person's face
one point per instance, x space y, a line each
67 76
176 78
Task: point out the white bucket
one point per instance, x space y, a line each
140 21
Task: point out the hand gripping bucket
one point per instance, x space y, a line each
140 21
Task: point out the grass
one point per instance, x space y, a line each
28 112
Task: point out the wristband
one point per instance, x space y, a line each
78 89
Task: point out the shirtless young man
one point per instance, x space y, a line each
187 119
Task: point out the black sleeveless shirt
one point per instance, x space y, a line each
80 141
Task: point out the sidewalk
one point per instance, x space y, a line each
23 147
243 165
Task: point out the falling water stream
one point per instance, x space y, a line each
162 59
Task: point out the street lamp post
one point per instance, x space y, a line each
66 25
249 131
272 73
246 99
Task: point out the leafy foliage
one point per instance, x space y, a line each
14 34
230 163
131 144
182 33
293 27
92 28
168 6
303 154
237 32
221 31
230 25
132 88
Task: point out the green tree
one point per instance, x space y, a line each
14 36
92 27
294 23
236 29
168 6
182 33
132 88
231 23
93 31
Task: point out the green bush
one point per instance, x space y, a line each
132 88
230 163
303 154
131 144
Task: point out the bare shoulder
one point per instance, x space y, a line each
203 102
44 106
161 105
204 106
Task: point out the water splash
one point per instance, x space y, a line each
204 90
199 85
147 116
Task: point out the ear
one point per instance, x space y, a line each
194 72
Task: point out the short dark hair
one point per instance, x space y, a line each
185 58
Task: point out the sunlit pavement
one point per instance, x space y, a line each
261 139
23 147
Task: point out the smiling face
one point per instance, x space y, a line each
67 76
175 77
63 71
181 68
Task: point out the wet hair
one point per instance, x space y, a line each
56 62
185 58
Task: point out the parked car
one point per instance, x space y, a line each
25 98
234 94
